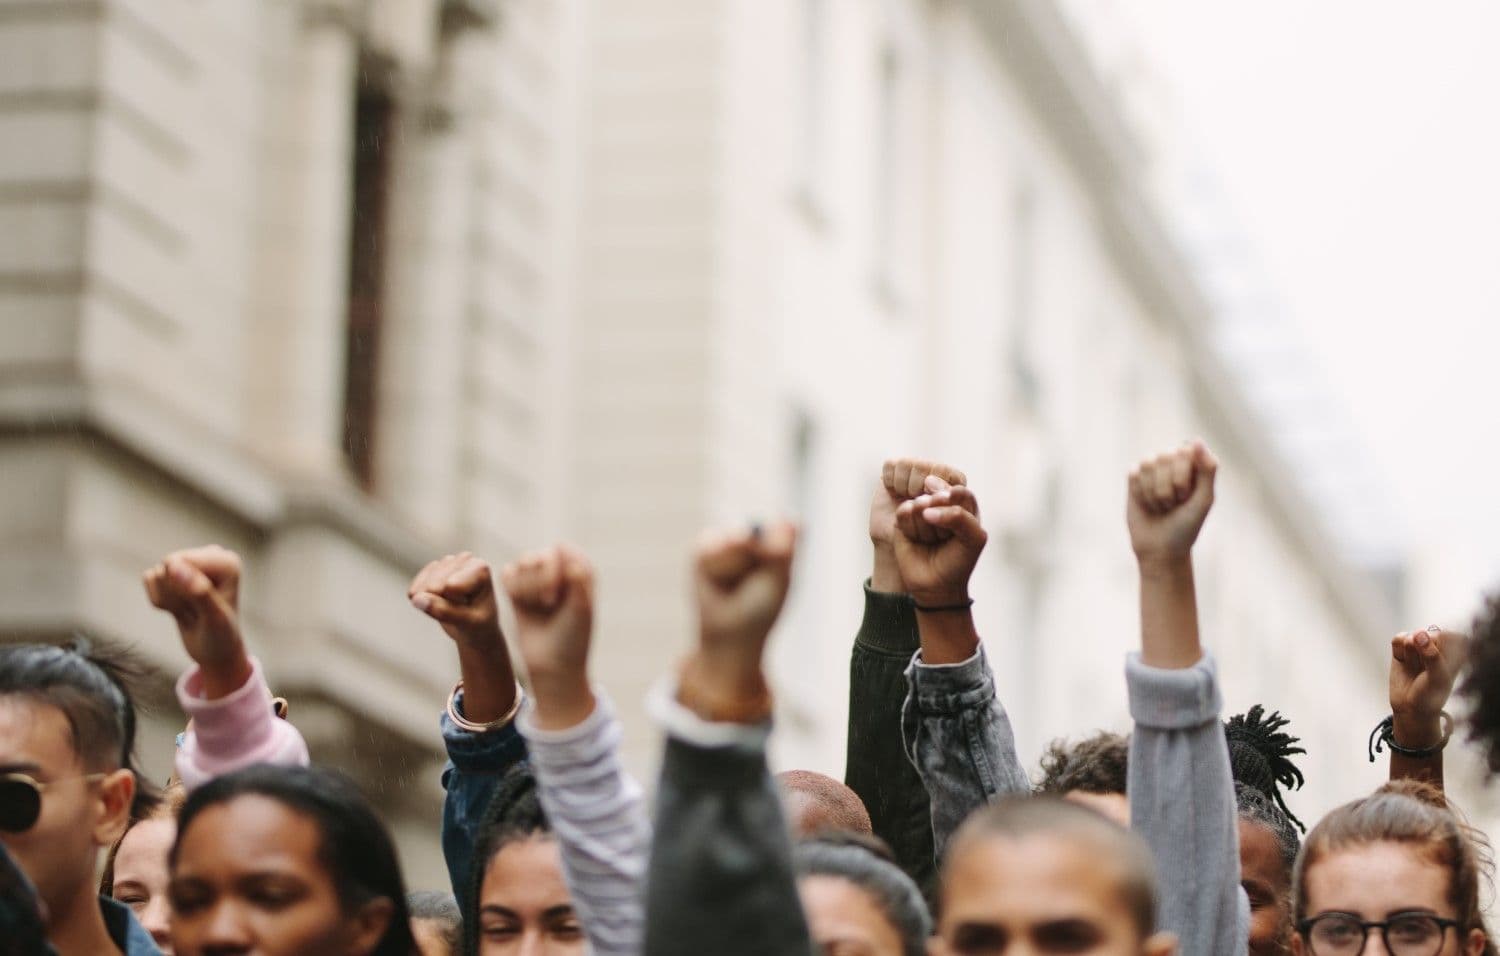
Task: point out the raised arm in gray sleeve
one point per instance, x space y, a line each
959 738
598 814
1182 803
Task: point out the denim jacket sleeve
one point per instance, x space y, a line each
1182 802
959 738
476 762
876 766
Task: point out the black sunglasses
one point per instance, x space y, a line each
21 799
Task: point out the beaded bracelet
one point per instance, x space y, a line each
1384 736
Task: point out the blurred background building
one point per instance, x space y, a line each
348 284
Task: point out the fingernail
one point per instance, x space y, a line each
422 602
1422 639
1433 628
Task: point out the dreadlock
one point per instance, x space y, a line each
1483 682
514 813
1260 755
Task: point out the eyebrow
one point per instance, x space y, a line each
21 767
564 909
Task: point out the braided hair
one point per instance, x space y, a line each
514 813
1260 755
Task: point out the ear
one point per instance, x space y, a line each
1474 942
369 925
116 792
1299 948
1160 944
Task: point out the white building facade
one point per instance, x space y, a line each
615 271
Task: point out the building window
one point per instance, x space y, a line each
374 132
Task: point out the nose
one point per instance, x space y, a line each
223 931
156 920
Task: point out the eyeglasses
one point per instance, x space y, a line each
1405 934
21 799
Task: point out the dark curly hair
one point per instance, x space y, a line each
1481 688
1260 755
1094 764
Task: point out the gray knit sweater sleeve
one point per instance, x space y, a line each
959 738
1182 803
598 813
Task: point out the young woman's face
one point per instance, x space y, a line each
141 876
1264 875
844 920
248 878
1376 881
524 904
1039 894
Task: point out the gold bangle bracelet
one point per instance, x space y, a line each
462 723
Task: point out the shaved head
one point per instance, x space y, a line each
818 804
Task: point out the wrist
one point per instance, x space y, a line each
948 637
886 574
724 692
1164 564
1417 731
562 711
941 596
222 675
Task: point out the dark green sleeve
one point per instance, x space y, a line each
876 766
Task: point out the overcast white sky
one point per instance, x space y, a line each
1359 144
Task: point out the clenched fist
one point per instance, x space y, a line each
938 542
458 592
1169 498
1424 666
901 480
552 593
200 588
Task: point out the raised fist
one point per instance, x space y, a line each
938 543
741 583
901 479
1170 496
457 591
552 593
1424 665
200 588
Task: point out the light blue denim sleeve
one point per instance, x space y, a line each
959 738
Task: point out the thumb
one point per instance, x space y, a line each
964 525
1427 647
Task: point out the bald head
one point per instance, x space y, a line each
818 804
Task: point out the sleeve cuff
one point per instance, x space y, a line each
1173 698
584 742
940 689
480 753
889 625
682 724
241 719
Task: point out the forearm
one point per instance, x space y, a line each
1182 803
598 814
232 730
1169 613
1417 732
489 679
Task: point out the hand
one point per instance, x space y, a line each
1169 498
200 588
1424 666
458 592
552 593
901 479
741 582
938 543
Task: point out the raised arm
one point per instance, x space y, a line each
955 731
458 592
1181 791
876 765
721 878
596 810
1424 666
231 723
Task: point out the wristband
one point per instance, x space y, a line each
1384 736
942 608
462 723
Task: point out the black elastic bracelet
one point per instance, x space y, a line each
1384 735
941 608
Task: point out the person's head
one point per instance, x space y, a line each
1400 856
1048 875
68 785
857 899
135 871
817 804
285 860
1091 772
1268 851
517 890
436 922
1482 685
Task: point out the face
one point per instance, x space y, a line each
1373 882
1112 805
524 905
431 940
844 920
60 852
248 880
141 876
1268 883
1035 895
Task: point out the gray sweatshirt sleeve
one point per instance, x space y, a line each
1182 803
959 738
598 813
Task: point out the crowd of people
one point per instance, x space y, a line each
1175 838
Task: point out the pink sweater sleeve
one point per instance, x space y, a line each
234 731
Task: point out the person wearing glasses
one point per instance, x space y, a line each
1397 867
69 786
